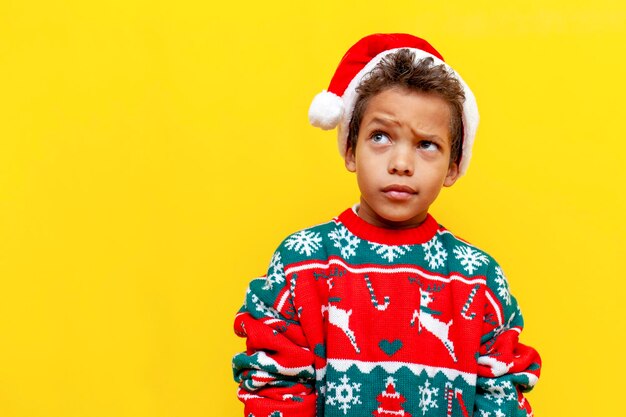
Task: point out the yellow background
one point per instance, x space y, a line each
154 153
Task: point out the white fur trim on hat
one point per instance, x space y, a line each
326 110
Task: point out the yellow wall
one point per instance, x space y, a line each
153 154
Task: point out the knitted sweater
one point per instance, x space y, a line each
356 320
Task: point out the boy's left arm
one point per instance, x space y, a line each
506 368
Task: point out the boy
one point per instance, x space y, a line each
381 311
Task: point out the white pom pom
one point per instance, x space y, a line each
326 110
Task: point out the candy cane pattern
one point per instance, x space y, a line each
450 395
375 302
468 303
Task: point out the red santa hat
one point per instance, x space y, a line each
333 107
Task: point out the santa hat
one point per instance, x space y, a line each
333 107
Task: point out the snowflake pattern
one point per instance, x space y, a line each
304 242
264 308
434 253
427 397
503 286
344 394
275 274
498 392
345 241
471 259
389 252
499 413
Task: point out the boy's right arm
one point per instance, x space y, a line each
276 374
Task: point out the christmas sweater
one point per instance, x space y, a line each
357 320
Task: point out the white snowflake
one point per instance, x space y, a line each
470 259
503 286
344 394
275 274
389 252
345 241
264 308
304 241
427 399
434 253
498 392
499 413
484 413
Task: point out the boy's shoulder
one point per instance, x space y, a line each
472 261
462 248
306 243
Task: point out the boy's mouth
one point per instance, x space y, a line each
399 192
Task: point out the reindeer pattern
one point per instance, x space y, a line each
426 316
336 315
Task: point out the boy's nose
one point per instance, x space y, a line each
401 162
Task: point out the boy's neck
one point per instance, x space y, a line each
365 230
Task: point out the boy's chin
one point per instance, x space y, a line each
397 218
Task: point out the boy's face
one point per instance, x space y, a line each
402 157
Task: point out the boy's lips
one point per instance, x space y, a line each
399 192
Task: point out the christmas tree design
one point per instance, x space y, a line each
389 402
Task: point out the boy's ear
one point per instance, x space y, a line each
452 175
350 160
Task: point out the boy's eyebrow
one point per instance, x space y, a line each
389 122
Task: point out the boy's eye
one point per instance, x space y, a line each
428 145
379 137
